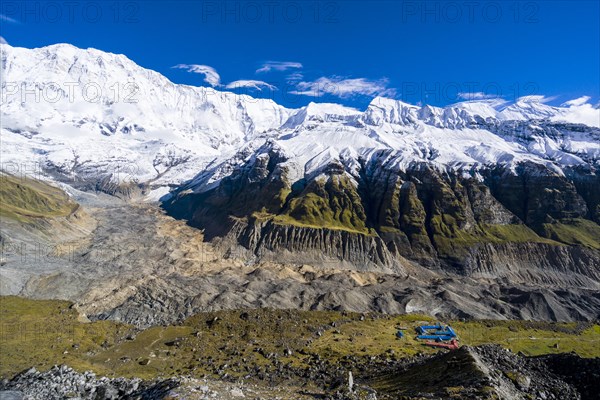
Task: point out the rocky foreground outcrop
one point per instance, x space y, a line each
492 372
63 382
483 372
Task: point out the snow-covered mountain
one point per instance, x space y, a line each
85 111
92 116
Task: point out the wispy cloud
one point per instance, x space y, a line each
344 88
476 96
295 77
249 83
8 19
3 41
278 66
576 102
210 74
537 98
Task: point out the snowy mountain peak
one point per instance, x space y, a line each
98 111
483 108
530 107
385 102
470 113
321 112
382 110
109 90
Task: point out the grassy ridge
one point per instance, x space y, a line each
334 203
25 199
42 333
577 231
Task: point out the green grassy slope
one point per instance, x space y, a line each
25 199
43 333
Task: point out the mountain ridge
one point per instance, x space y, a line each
196 126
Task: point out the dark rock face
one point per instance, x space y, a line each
529 225
254 187
587 182
582 373
536 194
490 372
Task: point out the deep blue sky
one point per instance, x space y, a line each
418 51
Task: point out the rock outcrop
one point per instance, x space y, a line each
531 224
63 382
490 372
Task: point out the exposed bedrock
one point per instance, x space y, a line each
320 246
536 264
531 224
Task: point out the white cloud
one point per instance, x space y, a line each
344 88
476 96
581 114
577 102
278 66
249 83
6 18
210 74
535 99
295 77
3 41
580 111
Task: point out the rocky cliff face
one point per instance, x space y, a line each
319 246
529 224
